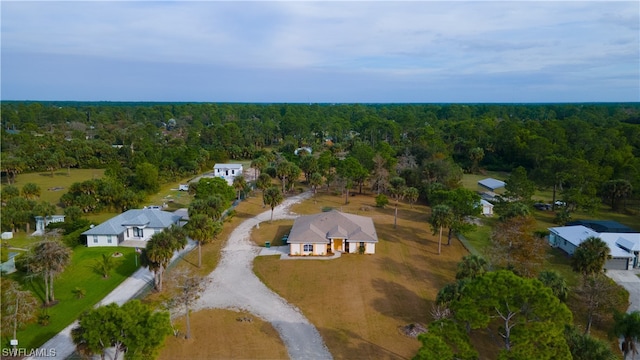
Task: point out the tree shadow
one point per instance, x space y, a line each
355 346
398 302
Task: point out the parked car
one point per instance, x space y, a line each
542 206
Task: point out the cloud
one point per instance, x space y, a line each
394 42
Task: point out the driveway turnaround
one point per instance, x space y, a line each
233 285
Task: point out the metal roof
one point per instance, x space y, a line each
491 183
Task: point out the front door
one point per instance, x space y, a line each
337 244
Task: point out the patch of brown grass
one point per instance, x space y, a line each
358 302
217 334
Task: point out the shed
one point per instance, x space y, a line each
491 184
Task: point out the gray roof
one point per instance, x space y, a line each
148 218
491 183
319 228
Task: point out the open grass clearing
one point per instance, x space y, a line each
52 188
79 274
224 334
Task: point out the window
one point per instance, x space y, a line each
137 232
308 247
109 239
95 239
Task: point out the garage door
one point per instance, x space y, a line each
617 264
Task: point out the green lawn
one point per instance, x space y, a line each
79 274
52 188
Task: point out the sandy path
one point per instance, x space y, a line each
234 286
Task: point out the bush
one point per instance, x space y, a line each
382 200
74 238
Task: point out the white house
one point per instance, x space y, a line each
487 207
333 231
42 222
624 247
137 225
227 171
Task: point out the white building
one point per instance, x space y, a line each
227 171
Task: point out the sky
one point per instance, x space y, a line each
321 52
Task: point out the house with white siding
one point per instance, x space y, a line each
330 232
135 225
624 247
227 171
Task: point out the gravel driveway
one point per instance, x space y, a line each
234 286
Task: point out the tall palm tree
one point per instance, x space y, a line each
627 326
263 182
160 248
48 259
315 180
273 197
590 256
471 267
441 217
203 229
239 184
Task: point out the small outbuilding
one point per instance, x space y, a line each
487 207
491 184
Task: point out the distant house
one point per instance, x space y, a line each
42 222
135 226
330 232
307 149
491 184
624 247
227 171
487 207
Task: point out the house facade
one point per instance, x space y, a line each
42 222
487 207
330 232
624 247
227 171
136 225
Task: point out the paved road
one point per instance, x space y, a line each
234 286
629 280
127 290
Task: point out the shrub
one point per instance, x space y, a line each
382 200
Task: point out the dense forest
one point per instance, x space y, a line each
588 153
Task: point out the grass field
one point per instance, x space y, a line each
79 274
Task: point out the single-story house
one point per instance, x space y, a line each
491 184
621 245
330 232
42 222
135 224
487 207
227 171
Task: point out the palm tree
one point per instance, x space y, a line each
203 229
160 248
262 183
441 217
397 191
48 259
471 266
31 191
314 181
557 284
239 184
411 194
258 165
104 265
590 256
272 197
627 326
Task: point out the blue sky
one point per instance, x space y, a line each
332 51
